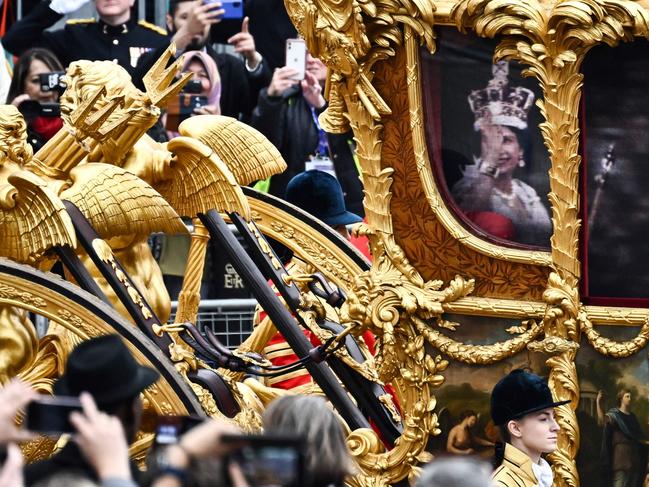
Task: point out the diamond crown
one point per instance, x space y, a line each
507 105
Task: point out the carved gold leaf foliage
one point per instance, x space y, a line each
612 348
429 247
321 256
48 364
477 354
9 292
79 326
564 384
39 449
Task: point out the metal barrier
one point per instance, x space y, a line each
229 319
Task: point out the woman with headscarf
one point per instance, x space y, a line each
206 72
174 249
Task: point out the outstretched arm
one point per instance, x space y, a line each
600 408
30 32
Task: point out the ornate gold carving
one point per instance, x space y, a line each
190 295
70 323
265 247
372 52
47 365
422 163
104 251
477 354
307 244
19 342
427 243
366 369
11 293
552 42
198 181
119 203
32 217
247 154
350 37
612 348
565 385
76 323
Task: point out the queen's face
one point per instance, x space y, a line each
502 141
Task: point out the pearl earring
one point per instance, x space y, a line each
521 162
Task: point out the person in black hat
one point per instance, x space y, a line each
105 369
320 194
523 408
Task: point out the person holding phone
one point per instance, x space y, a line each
202 101
182 462
327 459
26 93
188 24
287 114
99 436
105 369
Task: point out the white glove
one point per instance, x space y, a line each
66 6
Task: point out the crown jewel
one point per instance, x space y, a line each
507 105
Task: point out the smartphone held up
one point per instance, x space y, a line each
169 429
266 460
296 57
232 9
50 415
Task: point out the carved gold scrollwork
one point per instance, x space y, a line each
565 385
477 354
552 41
613 348
70 324
104 251
190 295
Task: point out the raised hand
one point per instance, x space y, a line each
66 6
202 16
11 473
13 397
282 81
101 440
491 145
312 91
244 44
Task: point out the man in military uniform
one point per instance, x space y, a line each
115 36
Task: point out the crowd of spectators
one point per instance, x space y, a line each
238 62
107 381
239 66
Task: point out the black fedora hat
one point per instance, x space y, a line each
320 194
105 368
520 393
